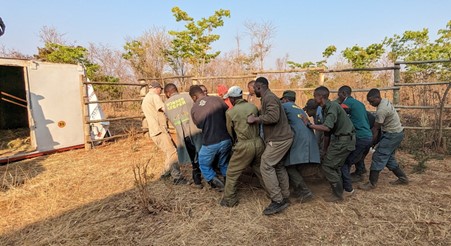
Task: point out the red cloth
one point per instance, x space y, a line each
222 90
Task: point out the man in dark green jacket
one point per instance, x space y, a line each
248 145
278 138
339 140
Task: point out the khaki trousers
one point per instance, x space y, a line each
273 170
171 164
244 153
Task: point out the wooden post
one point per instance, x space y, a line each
85 109
321 79
444 144
396 80
142 93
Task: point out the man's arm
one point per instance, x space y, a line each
229 125
271 116
159 104
375 131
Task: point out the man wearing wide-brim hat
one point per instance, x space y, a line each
153 108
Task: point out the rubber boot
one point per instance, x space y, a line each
374 177
402 177
305 193
197 176
337 193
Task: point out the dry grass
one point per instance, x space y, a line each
15 141
89 198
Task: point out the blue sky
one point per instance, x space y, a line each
304 28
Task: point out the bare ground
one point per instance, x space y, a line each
89 198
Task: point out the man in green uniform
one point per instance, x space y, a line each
248 146
339 140
278 138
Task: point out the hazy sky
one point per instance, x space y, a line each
304 28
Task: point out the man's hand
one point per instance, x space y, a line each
251 119
304 119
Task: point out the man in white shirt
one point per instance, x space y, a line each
392 135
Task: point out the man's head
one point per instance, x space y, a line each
155 87
204 89
321 95
374 97
310 107
234 94
250 87
288 96
260 86
170 89
344 92
196 92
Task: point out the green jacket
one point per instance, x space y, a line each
236 121
336 119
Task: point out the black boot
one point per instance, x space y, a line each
402 177
374 177
337 193
305 193
217 184
197 176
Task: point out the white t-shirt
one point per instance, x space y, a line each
387 116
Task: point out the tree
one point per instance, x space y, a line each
51 35
13 53
71 54
361 57
194 43
147 53
261 35
416 46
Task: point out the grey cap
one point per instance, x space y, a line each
155 84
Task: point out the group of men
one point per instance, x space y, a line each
274 137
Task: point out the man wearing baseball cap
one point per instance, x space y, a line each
248 146
153 108
304 149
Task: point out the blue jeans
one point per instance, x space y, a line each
207 155
361 145
384 156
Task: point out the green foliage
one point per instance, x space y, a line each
59 53
133 49
422 159
194 43
135 52
329 51
294 65
108 91
417 46
361 57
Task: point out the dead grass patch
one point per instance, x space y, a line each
90 198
